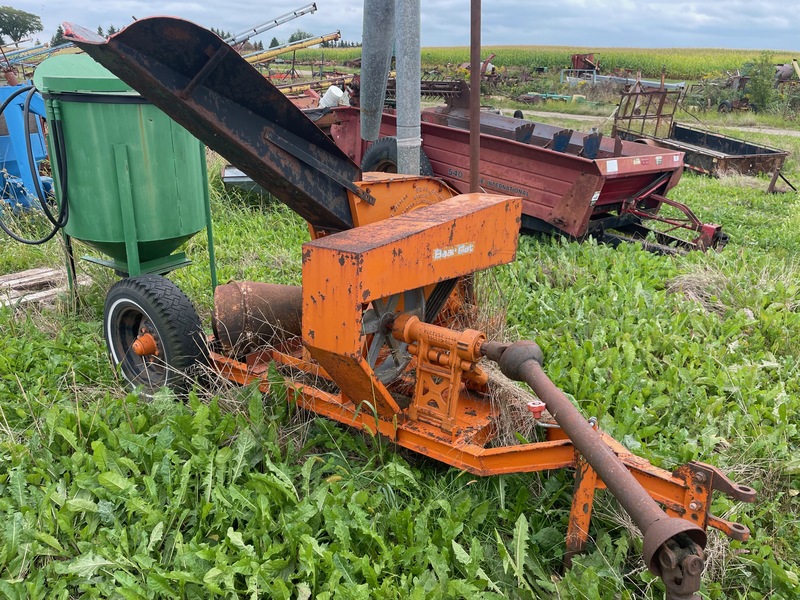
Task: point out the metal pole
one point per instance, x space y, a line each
408 82
376 57
475 96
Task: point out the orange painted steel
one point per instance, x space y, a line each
416 236
444 358
346 271
580 515
386 254
145 345
465 449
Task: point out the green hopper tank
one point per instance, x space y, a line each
137 185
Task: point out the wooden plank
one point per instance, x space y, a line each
5 279
38 285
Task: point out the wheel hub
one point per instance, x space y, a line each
145 345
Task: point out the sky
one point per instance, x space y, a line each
765 24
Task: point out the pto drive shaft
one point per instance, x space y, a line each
673 547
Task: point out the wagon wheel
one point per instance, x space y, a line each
388 356
153 333
382 156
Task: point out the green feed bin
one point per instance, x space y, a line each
137 185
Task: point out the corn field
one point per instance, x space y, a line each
680 63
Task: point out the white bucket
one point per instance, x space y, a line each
331 97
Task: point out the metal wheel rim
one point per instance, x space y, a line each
125 323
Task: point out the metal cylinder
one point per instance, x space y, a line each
408 82
376 57
522 361
132 170
248 315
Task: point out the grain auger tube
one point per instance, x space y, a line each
365 341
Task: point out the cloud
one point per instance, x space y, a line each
599 23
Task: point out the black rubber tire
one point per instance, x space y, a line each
382 156
162 309
725 107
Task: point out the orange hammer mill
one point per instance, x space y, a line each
365 341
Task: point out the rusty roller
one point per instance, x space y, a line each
249 314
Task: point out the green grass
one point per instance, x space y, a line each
232 495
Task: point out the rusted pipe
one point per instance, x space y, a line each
11 75
672 546
250 314
475 96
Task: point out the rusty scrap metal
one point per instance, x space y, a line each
431 87
475 96
647 115
585 62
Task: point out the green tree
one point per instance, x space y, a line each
16 24
761 87
111 30
58 38
299 35
100 30
274 42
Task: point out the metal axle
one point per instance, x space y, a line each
673 548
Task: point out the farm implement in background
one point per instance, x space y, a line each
647 116
242 37
585 68
726 95
431 87
22 147
787 73
367 340
264 56
571 183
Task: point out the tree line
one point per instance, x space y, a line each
299 34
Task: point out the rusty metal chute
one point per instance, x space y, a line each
203 84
